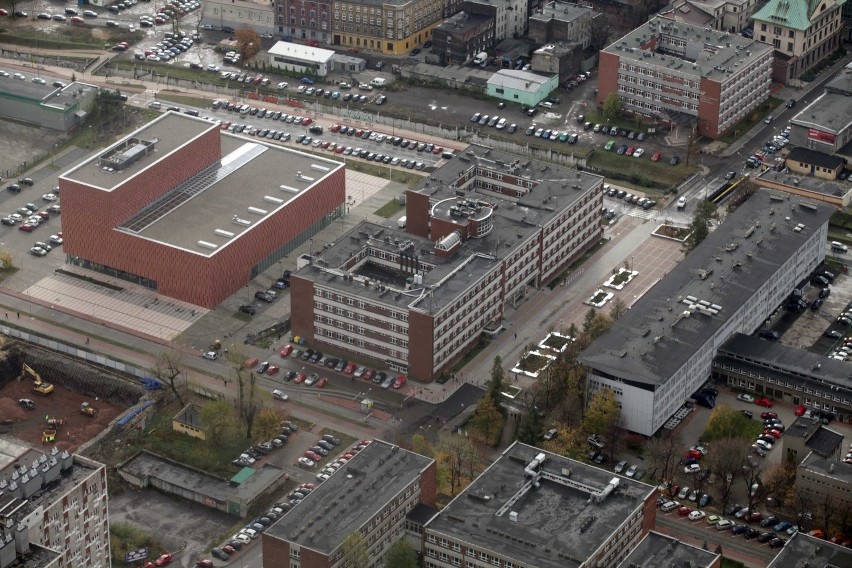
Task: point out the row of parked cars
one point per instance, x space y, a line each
637 200
318 451
345 367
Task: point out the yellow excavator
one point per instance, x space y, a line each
39 386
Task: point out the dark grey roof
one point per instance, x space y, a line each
799 182
351 497
557 526
462 22
825 442
562 11
665 327
807 156
842 83
803 551
190 415
802 367
803 427
830 112
832 468
659 550
421 513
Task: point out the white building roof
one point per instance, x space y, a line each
302 52
521 80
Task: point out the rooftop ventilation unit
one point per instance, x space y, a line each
319 168
244 222
208 245
270 199
288 188
301 177
223 233
257 211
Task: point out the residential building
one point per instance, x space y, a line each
825 125
393 26
193 211
510 16
55 503
834 192
803 33
674 73
514 515
558 59
459 38
826 484
228 15
784 373
725 15
814 163
562 22
657 549
655 356
301 58
188 421
806 435
482 232
805 551
372 495
523 87
54 105
303 20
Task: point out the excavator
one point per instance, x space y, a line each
39 386
88 410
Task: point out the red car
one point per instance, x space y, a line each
694 454
310 486
753 517
26 227
684 511
163 560
399 381
772 432
307 121
300 378
272 370
437 149
349 369
800 410
334 127
313 456
339 149
630 150
204 563
321 382
285 352
763 401
368 374
768 415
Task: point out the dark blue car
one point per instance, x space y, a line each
782 526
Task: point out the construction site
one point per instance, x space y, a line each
49 398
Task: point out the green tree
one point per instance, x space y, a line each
700 226
422 446
612 106
5 259
355 551
218 417
401 555
726 423
496 385
487 421
530 427
267 425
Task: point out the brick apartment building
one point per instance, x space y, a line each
483 231
193 212
303 20
679 74
373 494
535 509
392 26
459 38
54 506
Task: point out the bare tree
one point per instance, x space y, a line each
249 401
752 473
663 455
726 460
456 453
168 369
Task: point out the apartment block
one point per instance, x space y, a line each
826 484
393 27
482 232
303 20
510 16
562 22
672 73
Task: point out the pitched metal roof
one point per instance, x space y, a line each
794 14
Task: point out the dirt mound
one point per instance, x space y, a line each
9 409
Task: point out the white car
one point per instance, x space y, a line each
211 355
282 85
632 471
19 76
745 398
90 14
39 81
49 197
16 217
213 67
38 251
692 468
279 395
322 477
638 152
697 515
303 461
251 533
763 444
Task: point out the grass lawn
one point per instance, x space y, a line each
389 209
639 172
407 178
597 117
743 126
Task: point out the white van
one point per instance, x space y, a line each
379 82
480 58
244 110
839 247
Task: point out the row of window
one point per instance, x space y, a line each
329 295
656 74
783 383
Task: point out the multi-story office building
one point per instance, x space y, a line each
825 125
562 22
658 550
674 73
784 373
483 231
228 15
371 495
459 38
303 20
510 16
661 351
805 551
803 33
56 501
726 15
535 509
826 484
394 26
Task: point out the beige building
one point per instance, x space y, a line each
803 33
725 15
188 421
394 26
231 14
826 483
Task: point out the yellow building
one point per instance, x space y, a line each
188 421
393 26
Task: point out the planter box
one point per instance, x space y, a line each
533 363
672 232
621 278
599 298
556 342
